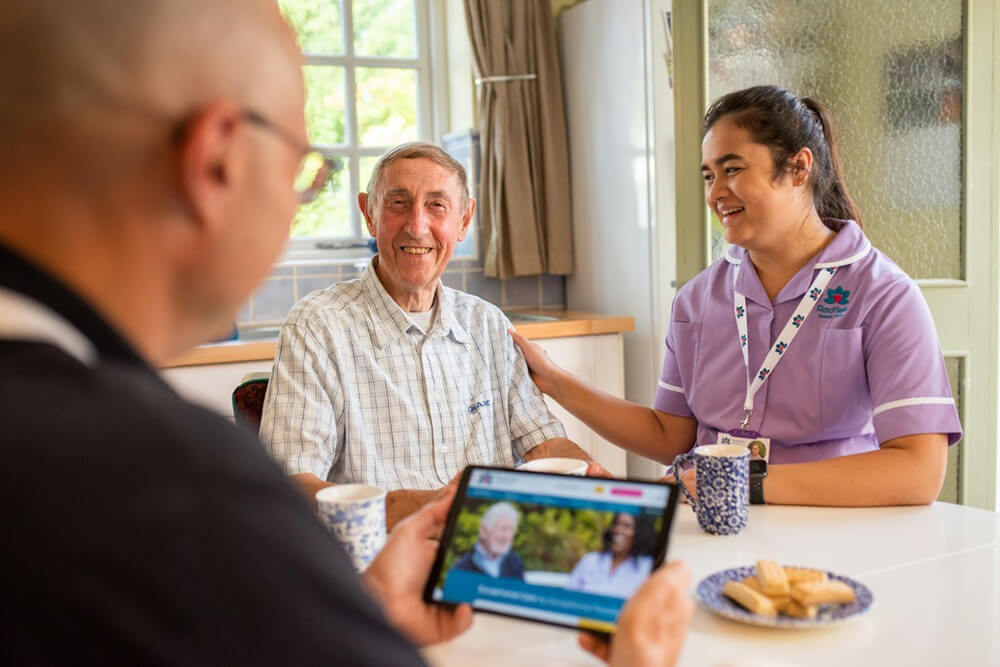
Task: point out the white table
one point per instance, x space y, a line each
934 572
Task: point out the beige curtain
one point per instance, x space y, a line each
524 202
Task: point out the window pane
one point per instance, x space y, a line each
951 490
325 106
384 28
387 105
317 23
328 214
365 171
892 73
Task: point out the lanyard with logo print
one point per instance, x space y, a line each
784 340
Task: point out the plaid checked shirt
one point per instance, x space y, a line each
359 394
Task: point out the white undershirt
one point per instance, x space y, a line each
425 319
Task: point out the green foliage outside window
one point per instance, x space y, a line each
317 24
384 28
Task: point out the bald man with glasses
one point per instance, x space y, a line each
154 153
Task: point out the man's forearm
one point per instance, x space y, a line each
563 447
309 484
401 504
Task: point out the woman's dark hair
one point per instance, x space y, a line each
786 124
644 538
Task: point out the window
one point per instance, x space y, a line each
367 78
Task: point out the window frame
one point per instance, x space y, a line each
351 152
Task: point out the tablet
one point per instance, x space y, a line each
558 549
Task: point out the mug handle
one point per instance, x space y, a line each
678 460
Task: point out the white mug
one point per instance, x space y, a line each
355 514
563 466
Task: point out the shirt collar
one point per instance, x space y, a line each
389 320
64 315
489 565
847 247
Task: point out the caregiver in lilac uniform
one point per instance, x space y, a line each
803 337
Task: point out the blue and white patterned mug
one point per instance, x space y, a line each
355 514
722 478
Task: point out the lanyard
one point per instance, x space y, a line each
785 338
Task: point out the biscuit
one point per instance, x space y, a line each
771 577
810 593
797 575
790 607
751 582
749 598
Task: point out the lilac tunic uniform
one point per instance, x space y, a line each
865 367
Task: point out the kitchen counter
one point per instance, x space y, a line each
533 324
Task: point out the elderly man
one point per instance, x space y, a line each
394 379
150 149
491 554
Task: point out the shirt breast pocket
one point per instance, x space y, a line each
845 404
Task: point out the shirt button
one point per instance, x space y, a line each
444 450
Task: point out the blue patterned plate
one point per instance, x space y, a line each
709 592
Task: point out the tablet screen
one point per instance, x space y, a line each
553 548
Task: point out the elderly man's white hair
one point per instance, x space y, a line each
497 511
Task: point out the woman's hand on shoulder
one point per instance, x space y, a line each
544 372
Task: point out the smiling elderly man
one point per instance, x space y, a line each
394 379
491 554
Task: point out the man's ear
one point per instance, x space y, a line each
470 208
363 205
210 162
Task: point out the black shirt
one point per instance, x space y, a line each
140 529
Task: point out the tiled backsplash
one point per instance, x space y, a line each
287 284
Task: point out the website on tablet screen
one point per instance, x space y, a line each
559 549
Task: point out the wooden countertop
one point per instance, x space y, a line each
569 323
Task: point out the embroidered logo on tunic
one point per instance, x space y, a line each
838 296
479 404
835 303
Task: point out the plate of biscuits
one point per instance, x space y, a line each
780 596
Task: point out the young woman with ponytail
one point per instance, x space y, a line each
803 336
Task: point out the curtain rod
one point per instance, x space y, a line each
504 78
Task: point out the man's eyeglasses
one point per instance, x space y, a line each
315 169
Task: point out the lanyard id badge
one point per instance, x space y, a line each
758 445
741 436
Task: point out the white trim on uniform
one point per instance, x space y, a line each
670 387
819 265
845 262
906 402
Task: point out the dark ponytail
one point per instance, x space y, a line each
786 124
